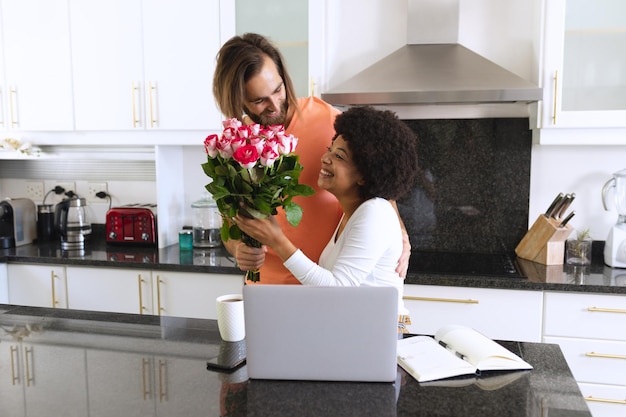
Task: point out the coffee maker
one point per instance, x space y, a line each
18 223
615 245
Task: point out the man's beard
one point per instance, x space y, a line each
266 121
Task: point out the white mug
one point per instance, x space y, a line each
230 320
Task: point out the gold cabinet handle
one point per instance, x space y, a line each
604 355
28 352
159 282
162 383
554 102
140 281
1 109
54 292
443 300
605 310
134 92
604 400
144 379
15 377
153 93
13 106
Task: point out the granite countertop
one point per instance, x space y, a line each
596 278
106 345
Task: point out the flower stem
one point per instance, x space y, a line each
254 276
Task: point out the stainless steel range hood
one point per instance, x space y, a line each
427 74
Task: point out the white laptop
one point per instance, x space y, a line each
299 332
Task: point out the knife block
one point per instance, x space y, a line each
544 242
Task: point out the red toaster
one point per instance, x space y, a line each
132 224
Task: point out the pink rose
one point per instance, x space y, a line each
237 142
224 148
210 145
231 124
258 142
286 143
246 155
268 156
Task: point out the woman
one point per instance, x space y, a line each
372 159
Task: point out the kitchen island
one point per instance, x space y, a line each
76 363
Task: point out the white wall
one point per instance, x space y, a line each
579 169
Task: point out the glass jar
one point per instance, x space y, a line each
207 222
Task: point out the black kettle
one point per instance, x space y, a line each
71 223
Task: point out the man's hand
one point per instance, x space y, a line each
403 262
247 257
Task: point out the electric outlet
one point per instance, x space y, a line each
94 188
67 186
34 191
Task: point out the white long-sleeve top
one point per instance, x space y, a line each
366 252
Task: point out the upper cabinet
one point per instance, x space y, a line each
144 64
36 88
73 71
584 73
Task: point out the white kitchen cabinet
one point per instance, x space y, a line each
188 294
583 72
37 378
110 289
498 314
106 64
37 285
179 294
36 91
590 331
145 64
149 385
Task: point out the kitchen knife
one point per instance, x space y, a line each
553 205
567 219
568 201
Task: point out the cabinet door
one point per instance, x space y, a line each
109 289
120 384
38 90
186 294
107 64
37 285
184 387
181 40
584 64
498 314
54 380
11 379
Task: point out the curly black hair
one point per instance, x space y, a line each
383 148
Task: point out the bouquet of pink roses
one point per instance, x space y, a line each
256 166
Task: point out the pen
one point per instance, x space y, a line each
445 345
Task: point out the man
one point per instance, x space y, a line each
251 83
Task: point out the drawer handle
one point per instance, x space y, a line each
604 355
606 310
444 300
604 400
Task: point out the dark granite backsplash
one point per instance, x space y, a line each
472 194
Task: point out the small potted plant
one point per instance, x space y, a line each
579 249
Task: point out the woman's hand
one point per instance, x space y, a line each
403 262
268 232
249 258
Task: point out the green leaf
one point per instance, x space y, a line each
294 213
234 232
224 231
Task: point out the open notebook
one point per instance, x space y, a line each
321 333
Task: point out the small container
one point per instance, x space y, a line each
185 239
207 222
578 252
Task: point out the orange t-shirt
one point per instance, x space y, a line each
321 211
